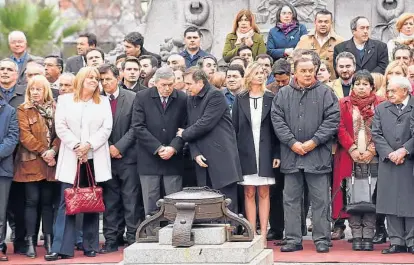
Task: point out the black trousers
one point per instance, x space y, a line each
123 202
15 213
65 227
39 192
229 191
5 184
276 216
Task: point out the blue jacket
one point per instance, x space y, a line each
192 61
277 41
9 138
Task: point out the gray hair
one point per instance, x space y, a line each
347 55
67 74
401 82
11 61
163 73
17 34
354 22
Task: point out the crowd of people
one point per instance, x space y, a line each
295 123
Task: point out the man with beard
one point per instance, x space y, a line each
346 68
266 61
176 61
306 131
208 64
234 82
192 52
281 72
84 43
134 46
131 75
370 54
53 69
95 57
322 38
148 66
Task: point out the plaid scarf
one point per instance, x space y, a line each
366 110
46 110
287 27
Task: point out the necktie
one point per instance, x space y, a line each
113 102
164 103
399 107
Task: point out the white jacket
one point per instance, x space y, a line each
68 120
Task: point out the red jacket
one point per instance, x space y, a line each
342 159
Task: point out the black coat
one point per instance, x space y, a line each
74 64
210 133
18 95
155 127
269 147
375 59
145 52
122 135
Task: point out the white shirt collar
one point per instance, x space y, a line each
405 102
322 40
116 93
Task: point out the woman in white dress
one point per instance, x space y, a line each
258 146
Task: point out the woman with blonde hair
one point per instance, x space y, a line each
393 69
84 124
257 144
35 159
405 28
379 80
245 33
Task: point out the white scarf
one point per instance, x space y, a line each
241 36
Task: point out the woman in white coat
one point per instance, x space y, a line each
83 123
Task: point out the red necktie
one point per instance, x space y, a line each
113 102
164 103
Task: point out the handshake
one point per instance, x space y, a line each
303 148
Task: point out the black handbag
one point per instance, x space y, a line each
357 200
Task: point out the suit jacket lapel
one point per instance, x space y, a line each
267 104
119 105
407 108
245 106
157 100
369 51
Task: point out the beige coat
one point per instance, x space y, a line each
68 120
325 52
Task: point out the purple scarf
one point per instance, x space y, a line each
287 27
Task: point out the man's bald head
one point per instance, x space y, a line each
176 61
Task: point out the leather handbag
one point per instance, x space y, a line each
84 200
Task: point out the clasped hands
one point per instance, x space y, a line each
49 157
398 156
364 157
81 151
166 152
303 148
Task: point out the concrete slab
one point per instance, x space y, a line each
207 234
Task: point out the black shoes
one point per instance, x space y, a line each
90 254
322 247
291 248
281 242
357 244
3 250
56 256
79 246
393 249
19 248
273 235
410 250
367 244
31 249
108 248
380 236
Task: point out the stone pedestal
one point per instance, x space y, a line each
228 253
207 234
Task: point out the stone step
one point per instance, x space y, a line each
206 234
229 252
264 258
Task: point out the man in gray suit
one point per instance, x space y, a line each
18 48
84 43
122 192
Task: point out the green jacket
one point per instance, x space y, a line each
230 47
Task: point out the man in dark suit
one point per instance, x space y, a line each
13 94
370 54
211 136
53 69
122 192
158 113
18 47
131 69
84 43
134 46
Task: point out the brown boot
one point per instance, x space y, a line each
338 234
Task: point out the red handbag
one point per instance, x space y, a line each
84 200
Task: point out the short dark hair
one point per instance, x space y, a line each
265 56
294 12
91 38
281 67
59 61
95 49
197 74
153 60
236 67
399 46
354 22
316 60
121 56
130 59
239 58
323 12
243 47
201 60
363 75
105 68
302 60
135 38
193 29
